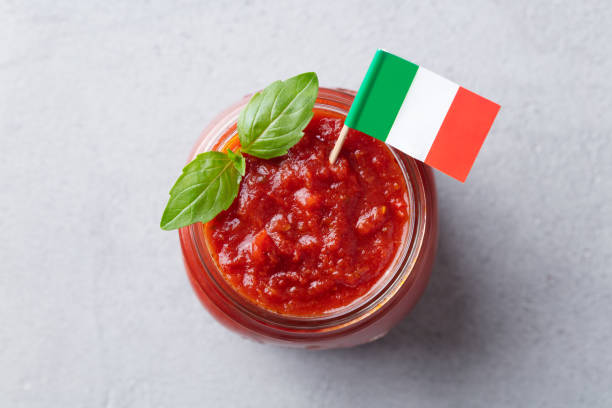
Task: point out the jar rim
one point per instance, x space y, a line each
382 292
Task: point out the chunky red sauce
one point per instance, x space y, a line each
304 237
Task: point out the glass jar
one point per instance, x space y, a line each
364 320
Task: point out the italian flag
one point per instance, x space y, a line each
422 114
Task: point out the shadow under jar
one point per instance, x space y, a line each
366 317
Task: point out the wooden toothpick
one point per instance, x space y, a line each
339 142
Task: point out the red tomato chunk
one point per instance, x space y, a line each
304 237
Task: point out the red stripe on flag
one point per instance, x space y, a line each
462 133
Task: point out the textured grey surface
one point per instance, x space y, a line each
100 104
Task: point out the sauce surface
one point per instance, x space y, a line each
304 237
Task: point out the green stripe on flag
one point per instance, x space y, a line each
381 95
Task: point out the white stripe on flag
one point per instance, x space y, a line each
421 114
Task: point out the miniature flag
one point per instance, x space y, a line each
422 114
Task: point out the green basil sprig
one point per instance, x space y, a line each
272 122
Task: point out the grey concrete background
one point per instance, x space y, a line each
100 103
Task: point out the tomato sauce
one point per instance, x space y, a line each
304 237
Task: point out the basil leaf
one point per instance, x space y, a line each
272 122
208 185
274 119
238 159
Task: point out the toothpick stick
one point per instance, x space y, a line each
339 142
